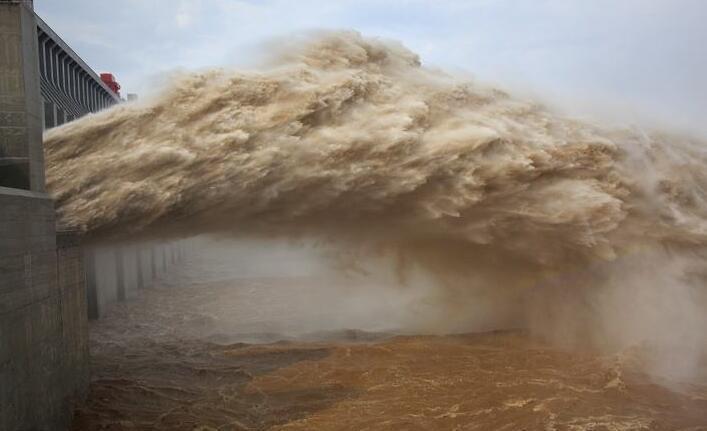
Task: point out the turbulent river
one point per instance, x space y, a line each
221 344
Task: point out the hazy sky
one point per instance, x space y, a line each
620 58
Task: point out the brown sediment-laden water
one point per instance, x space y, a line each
491 212
225 352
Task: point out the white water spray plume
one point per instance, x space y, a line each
579 231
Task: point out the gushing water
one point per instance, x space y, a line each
518 216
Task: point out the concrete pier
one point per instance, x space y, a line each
116 273
49 285
43 330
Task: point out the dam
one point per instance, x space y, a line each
342 238
49 284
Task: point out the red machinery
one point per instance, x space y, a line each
110 81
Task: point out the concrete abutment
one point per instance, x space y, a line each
49 285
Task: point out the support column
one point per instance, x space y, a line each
120 273
164 257
89 258
140 273
153 263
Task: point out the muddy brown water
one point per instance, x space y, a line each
246 354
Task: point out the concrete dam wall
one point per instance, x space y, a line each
49 285
43 325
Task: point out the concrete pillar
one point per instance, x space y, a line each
40 47
50 63
164 257
60 69
153 263
60 115
72 80
89 258
55 65
120 272
94 98
140 272
47 59
82 93
88 93
49 114
86 97
65 73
